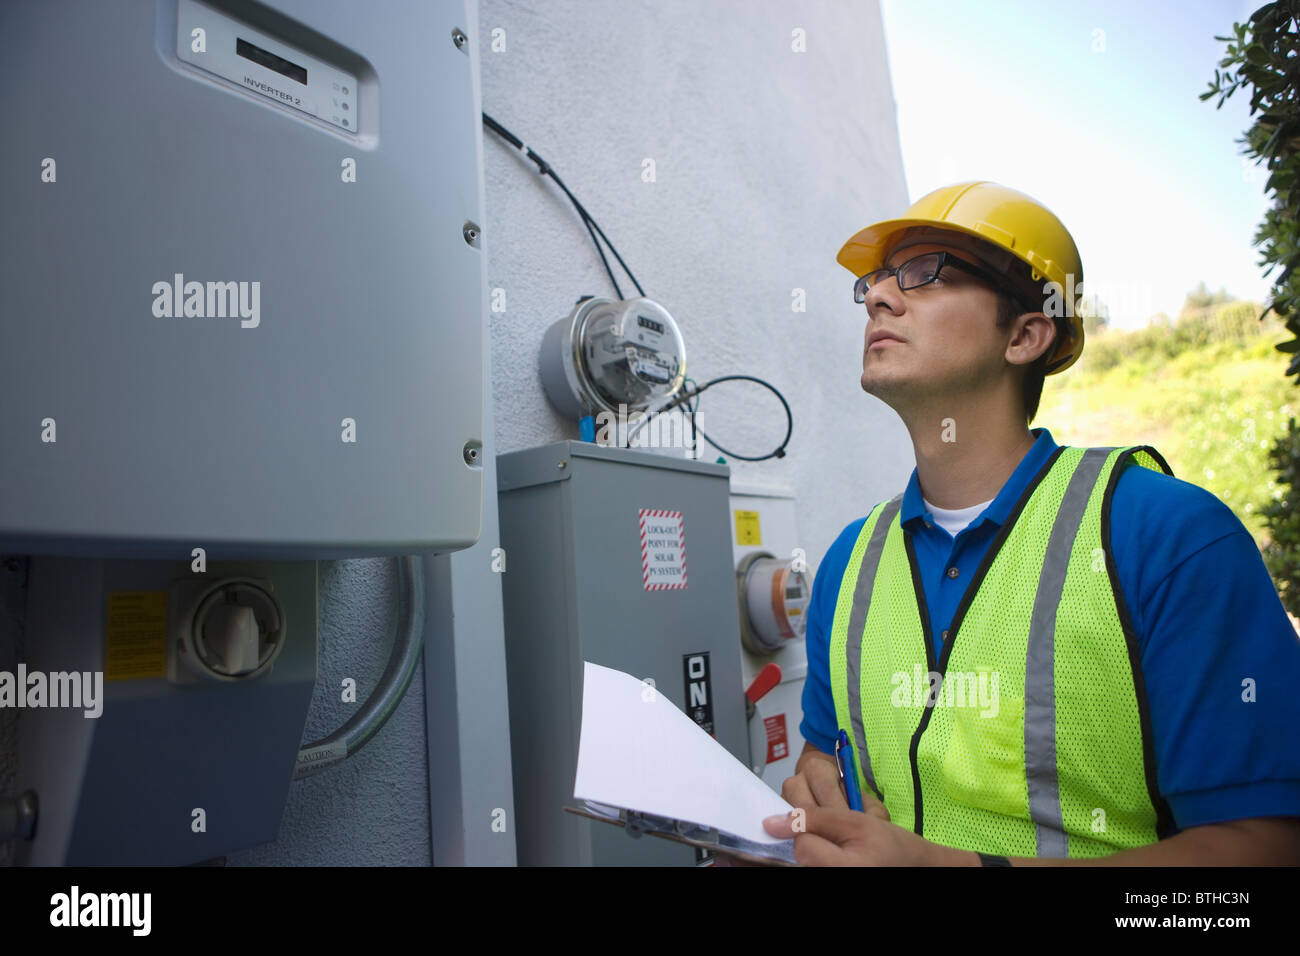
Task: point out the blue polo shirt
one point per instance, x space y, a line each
1206 616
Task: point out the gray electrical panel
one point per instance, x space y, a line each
161 772
241 296
578 585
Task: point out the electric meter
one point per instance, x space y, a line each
611 352
774 602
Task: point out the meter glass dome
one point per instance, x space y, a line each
609 353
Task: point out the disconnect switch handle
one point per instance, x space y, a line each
767 678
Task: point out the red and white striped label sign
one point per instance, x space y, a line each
663 549
778 744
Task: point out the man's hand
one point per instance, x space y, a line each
816 782
827 832
831 836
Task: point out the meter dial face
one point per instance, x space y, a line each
632 354
611 355
776 599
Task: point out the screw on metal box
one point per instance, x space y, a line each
633 824
18 816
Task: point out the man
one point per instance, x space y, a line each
1038 654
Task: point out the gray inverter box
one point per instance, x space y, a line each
622 558
241 304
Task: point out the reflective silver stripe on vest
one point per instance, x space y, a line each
858 620
1040 675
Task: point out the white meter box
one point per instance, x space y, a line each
241 288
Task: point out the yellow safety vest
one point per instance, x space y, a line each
1030 736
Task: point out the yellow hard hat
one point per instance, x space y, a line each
1003 217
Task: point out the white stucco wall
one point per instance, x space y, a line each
766 161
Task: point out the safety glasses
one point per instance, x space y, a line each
924 269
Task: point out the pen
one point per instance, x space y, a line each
848 771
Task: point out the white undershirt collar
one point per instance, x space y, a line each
955 520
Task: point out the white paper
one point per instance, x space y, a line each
639 752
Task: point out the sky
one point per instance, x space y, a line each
1091 108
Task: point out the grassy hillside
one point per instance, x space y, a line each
1208 393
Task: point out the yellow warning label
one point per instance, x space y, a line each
136 644
747 528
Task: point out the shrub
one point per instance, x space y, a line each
1282 556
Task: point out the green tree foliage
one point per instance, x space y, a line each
1283 520
1213 409
1164 340
1263 54
1202 298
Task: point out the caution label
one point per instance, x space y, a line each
136 635
778 745
663 549
747 530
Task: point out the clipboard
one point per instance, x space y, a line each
679 831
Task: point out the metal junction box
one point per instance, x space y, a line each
167 772
622 558
240 278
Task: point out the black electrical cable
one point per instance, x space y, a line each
691 409
544 168
690 392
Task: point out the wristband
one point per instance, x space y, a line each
987 860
